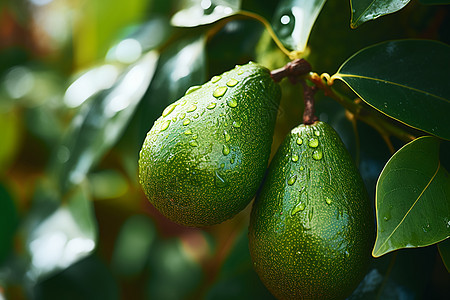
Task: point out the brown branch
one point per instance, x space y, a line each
309 116
292 70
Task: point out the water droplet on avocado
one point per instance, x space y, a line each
232 161
194 136
196 116
237 124
299 141
302 168
164 125
193 143
188 132
220 91
299 207
219 181
232 102
232 82
168 110
313 142
328 201
192 108
225 150
317 154
186 122
294 158
317 133
211 105
193 89
387 217
292 180
226 135
215 79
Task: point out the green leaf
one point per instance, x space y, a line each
59 236
293 21
201 12
444 250
366 10
101 122
406 80
412 198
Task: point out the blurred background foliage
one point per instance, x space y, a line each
81 82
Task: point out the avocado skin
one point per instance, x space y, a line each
204 172
319 249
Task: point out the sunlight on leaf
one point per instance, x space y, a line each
101 121
367 10
201 12
412 198
60 238
404 79
293 21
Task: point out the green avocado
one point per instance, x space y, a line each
311 227
205 157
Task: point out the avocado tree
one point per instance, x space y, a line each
81 84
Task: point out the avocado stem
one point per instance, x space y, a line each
309 116
292 70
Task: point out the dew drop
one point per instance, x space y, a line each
188 132
193 89
313 142
226 135
222 165
164 125
294 158
232 102
237 124
317 133
232 82
347 254
387 217
186 122
192 108
182 115
292 180
317 154
174 119
232 161
302 168
299 207
328 201
168 110
215 79
299 141
220 91
219 181
226 150
211 105
194 136
193 143
196 116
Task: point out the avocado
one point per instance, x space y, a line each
205 157
311 227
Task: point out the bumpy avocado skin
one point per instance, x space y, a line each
205 157
311 228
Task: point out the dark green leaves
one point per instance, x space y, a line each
366 10
406 80
293 21
413 198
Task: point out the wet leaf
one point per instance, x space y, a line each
367 10
101 121
412 198
201 12
293 21
404 79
